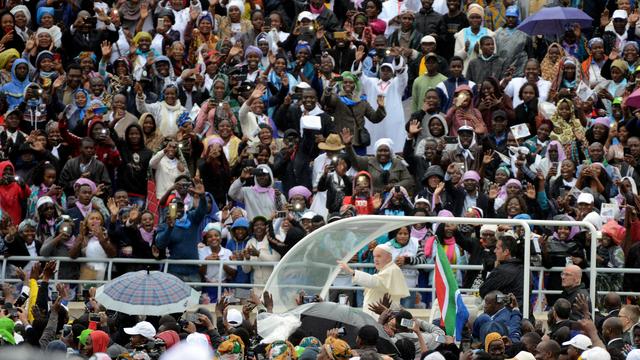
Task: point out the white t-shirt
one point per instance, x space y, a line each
513 89
213 271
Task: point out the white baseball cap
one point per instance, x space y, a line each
619 14
524 355
579 341
585 198
305 15
596 353
428 39
143 328
308 215
234 317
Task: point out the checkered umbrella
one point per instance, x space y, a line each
147 293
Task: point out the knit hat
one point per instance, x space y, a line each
491 337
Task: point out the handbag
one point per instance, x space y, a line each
364 137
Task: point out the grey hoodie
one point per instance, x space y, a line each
257 202
429 334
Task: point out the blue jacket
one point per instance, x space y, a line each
508 318
183 243
14 90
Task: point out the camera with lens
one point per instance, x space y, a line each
503 299
153 348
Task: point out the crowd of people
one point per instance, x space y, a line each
230 129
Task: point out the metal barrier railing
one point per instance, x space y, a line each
165 263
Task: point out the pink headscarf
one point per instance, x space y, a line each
85 181
561 154
449 243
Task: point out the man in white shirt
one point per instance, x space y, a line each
532 75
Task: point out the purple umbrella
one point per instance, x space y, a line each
552 21
634 99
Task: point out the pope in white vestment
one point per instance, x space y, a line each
388 280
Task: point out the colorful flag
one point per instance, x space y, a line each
453 312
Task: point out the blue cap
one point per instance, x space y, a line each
512 11
240 223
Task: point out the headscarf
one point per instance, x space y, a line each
574 229
6 330
43 10
84 335
561 154
491 337
141 35
220 77
21 8
237 3
448 243
87 54
615 231
337 349
169 337
267 189
6 57
547 68
383 142
281 350
620 64
252 50
205 16
81 110
183 119
100 341
299 190
85 181
303 45
563 130
559 81
355 97
595 40
233 345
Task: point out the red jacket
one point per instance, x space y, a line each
12 195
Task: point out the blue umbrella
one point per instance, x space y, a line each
553 20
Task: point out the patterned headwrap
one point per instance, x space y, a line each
303 45
281 350
87 54
337 349
230 346
205 16
183 119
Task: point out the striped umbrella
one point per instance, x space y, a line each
147 293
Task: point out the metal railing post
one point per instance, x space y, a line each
4 269
527 269
109 269
592 270
220 269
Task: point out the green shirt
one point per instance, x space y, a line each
420 87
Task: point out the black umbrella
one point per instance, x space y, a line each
319 317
